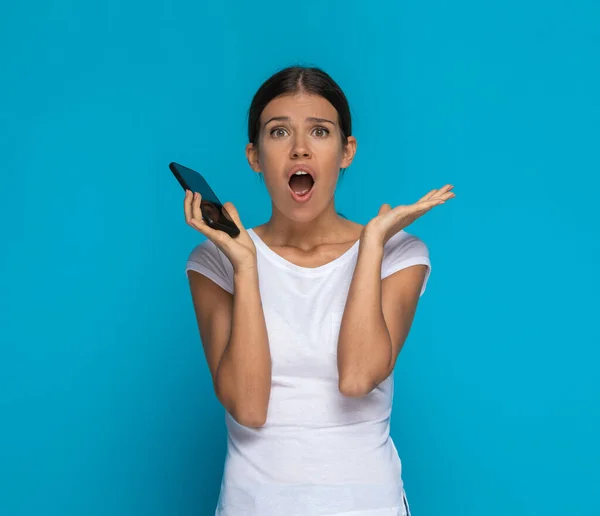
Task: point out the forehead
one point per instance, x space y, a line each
299 106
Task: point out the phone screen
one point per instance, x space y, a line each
192 180
213 212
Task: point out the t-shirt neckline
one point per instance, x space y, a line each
306 271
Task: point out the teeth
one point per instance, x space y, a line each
301 173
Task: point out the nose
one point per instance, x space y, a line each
299 149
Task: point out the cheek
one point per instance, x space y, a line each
274 184
330 151
272 153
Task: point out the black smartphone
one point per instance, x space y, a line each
212 209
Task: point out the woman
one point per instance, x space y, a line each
302 318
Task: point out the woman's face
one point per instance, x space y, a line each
300 131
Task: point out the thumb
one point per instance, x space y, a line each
232 214
384 209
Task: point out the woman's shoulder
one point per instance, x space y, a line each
207 252
405 242
207 259
206 247
404 250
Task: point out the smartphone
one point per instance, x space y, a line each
211 207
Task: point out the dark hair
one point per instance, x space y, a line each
297 79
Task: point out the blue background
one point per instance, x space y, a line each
106 401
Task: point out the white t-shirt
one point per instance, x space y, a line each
320 452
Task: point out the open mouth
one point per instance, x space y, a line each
301 183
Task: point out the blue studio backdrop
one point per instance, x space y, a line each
106 402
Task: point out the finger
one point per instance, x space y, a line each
187 206
429 195
195 220
384 209
438 193
449 194
444 193
196 210
424 206
416 209
231 210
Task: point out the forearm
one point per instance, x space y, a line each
364 346
244 374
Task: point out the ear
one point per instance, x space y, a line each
348 152
252 157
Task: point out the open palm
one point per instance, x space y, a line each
390 221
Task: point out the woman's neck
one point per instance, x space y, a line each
328 228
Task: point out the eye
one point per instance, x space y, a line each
277 132
321 132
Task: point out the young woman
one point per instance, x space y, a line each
302 318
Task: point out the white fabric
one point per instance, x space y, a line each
320 452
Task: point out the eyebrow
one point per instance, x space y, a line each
309 119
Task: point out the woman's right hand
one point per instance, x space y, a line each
240 250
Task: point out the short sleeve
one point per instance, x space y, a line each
404 250
208 260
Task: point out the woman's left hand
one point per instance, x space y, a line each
390 221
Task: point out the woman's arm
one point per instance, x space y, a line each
376 321
379 314
235 341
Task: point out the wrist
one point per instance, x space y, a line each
370 250
371 239
246 270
